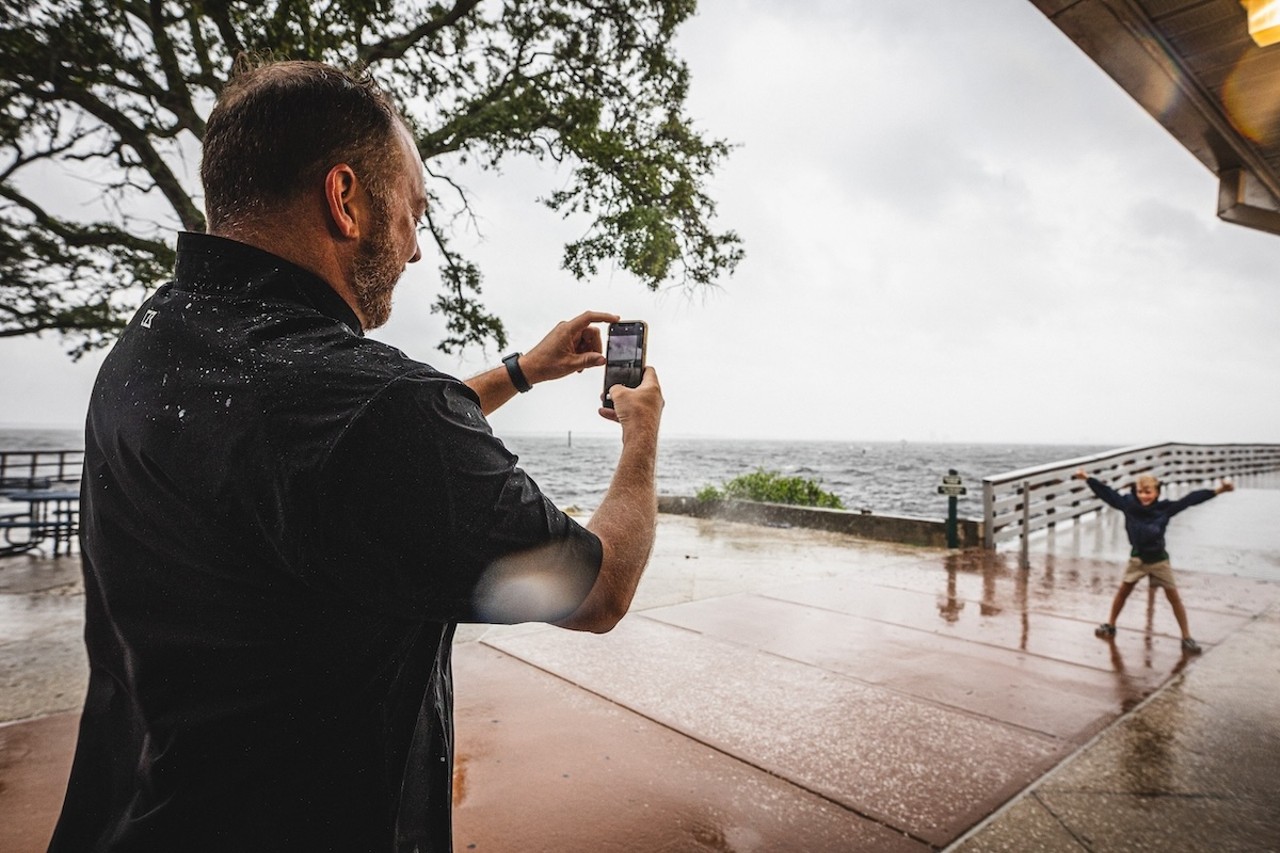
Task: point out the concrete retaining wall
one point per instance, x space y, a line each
926 532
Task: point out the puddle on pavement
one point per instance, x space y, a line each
26 574
26 616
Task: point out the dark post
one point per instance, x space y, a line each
952 488
953 541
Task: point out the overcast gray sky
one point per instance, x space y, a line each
957 228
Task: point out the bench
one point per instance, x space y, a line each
51 515
23 484
14 523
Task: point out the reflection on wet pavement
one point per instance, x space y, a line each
42 662
1196 768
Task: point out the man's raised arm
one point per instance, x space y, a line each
571 347
627 518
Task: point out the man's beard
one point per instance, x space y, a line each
375 271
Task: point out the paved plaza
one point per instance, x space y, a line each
792 690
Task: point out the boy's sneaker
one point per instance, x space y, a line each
1190 646
1106 629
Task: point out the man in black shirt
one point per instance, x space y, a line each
283 520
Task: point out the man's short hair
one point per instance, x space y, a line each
1147 480
279 127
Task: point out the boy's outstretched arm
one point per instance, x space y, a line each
1107 494
1199 496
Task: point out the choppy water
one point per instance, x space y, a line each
892 478
40 439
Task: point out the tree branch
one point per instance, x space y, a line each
175 96
395 48
133 136
78 236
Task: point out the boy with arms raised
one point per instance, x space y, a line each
1145 519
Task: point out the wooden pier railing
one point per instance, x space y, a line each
1021 502
39 500
36 469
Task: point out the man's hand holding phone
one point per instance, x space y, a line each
624 356
572 346
627 517
631 390
642 404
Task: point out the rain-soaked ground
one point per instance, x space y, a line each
790 690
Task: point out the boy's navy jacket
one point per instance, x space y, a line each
1146 524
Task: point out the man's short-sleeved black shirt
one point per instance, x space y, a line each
282 521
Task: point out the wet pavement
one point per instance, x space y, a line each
791 690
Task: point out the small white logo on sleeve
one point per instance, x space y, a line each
147 318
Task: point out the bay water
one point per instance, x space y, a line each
885 478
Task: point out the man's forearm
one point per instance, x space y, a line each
625 523
571 347
493 387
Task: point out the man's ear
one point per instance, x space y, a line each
342 197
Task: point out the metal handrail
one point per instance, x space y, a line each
27 468
1018 503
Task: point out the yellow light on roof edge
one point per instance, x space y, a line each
1264 21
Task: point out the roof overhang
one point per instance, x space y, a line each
1192 65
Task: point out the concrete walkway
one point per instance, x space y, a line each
787 690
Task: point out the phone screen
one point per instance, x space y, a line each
624 357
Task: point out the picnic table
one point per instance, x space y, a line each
51 514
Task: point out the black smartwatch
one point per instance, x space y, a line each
517 375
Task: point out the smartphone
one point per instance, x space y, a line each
624 356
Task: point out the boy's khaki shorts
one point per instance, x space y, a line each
1161 572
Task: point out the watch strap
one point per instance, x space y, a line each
518 378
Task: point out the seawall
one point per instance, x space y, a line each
908 530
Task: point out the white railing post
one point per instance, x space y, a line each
1026 520
988 516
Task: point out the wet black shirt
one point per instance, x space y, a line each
282 521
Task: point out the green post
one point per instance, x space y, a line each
953 541
952 487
